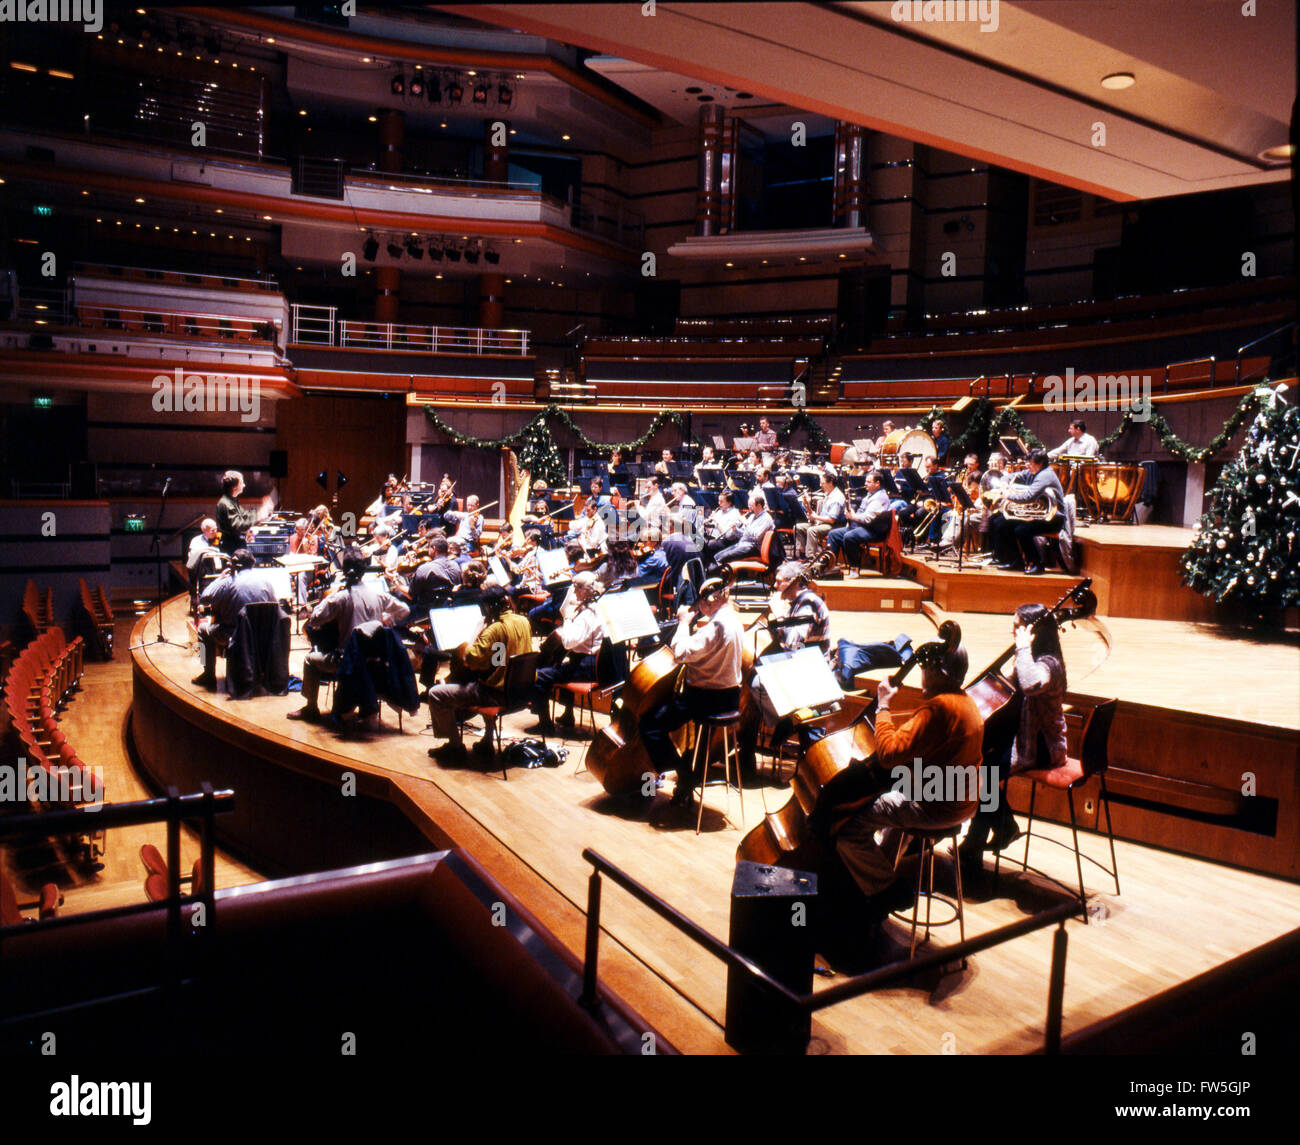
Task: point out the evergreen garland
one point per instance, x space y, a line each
1244 550
818 439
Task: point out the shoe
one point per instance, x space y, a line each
310 715
683 796
1004 835
566 719
541 727
1034 570
452 749
484 749
204 681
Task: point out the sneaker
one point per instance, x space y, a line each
310 715
1034 570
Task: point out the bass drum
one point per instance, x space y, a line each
914 441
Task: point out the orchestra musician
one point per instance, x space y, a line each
1013 540
1080 443
589 527
711 655
656 508
939 432
381 506
1040 740
235 523
619 565
945 730
436 575
706 461
616 469
748 542
240 584
664 466
871 522
482 667
354 604
810 536
885 431
469 524
765 438
680 506
792 598
580 636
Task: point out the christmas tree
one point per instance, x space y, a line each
1245 549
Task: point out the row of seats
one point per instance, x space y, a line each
96 615
37 686
11 910
38 608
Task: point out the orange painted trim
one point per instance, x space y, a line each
290 207
518 20
420 53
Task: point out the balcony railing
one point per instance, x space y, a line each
321 326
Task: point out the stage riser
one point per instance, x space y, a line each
1145 583
871 596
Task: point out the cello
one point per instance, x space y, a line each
785 837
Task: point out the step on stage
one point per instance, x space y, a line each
1178 916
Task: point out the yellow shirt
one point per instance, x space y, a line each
508 636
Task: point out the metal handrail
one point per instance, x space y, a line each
176 808
1241 350
841 992
1190 362
111 266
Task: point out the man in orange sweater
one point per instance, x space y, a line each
931 765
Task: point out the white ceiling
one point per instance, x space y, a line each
1214 86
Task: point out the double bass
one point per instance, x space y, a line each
823 778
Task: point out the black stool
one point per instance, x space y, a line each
700 761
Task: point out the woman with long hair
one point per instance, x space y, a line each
1040 740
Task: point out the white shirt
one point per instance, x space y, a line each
592 531
656 509
198 547
582 632
1085 445
712 654
725 520
830 501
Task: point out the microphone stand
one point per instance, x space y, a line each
155 547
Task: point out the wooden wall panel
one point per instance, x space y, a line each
362 436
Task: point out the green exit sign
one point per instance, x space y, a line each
41 402
134 523
42 210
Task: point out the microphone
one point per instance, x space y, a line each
167 484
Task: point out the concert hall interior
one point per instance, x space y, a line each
714 528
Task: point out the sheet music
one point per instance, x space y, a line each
799 679
743 444
455 626
554 565
283 581
626 615
299 562
719 442
864 447
499 571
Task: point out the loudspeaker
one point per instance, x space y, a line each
279 463
772 912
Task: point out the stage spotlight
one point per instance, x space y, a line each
342 479
453 255
323 480
435 91
455 93
398 85
491 256
371 248
480 93
394 251
471 254
413 248
417 86
504 95
435 253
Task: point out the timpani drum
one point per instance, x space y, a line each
914 441
1110 489
1067 469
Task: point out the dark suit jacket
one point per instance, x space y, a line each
258 654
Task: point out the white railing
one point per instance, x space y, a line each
320 326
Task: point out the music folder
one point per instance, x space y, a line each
455 626
798 679
626 615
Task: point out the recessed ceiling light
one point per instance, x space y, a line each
365 59
1118 81
471 73
270 39
220 210
373 118
802 259
566 138
266 218
1279 154
139 200
731 264
302 111
23 67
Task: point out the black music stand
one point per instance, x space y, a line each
964 505
155 547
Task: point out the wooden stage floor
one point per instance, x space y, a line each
1177 916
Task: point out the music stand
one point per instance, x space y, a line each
964 505
798 680
155 546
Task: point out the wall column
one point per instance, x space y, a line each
708 200
491 300
392 135
850 186
388 280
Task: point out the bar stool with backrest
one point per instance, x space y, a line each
1092 761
